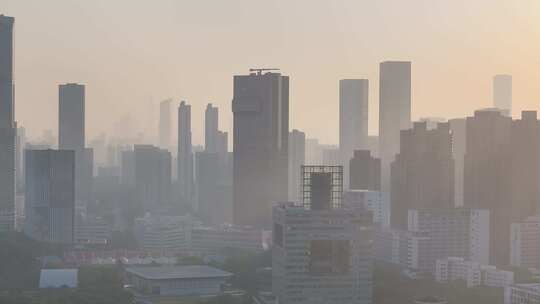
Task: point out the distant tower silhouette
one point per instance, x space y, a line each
353 119
502 93
165 124
394 111
185 154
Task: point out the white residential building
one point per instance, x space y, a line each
525 243
522 294
436 234
473 273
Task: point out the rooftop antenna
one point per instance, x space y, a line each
261 70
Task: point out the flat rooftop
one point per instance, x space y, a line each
178 272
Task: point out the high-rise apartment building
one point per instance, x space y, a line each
502 93
487 176
322 251
422 173
394 111
7 126
50 195
297 152
261 133
525 166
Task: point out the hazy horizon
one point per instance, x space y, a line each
133 54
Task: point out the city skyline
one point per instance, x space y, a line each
263 210
159 60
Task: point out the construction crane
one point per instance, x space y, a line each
260 71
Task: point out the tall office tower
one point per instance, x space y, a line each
50 195
261 133
71 109
7 126
394 112
211 128
458 128
297 154
152 178
487 176
185 154
322 252
422 173
20 143
353 119
502 93
364 171
71 136
525 170
165 124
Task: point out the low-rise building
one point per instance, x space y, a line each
473 273
93 231
185 234
194 280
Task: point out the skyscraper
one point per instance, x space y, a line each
211 128
71 136
71 108
486 176
261 130
394 111
353 119
50 195
502 93
165 124
185 154
297 152
422 175
7 126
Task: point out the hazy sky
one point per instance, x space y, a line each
132 54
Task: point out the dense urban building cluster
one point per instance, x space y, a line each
455 199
